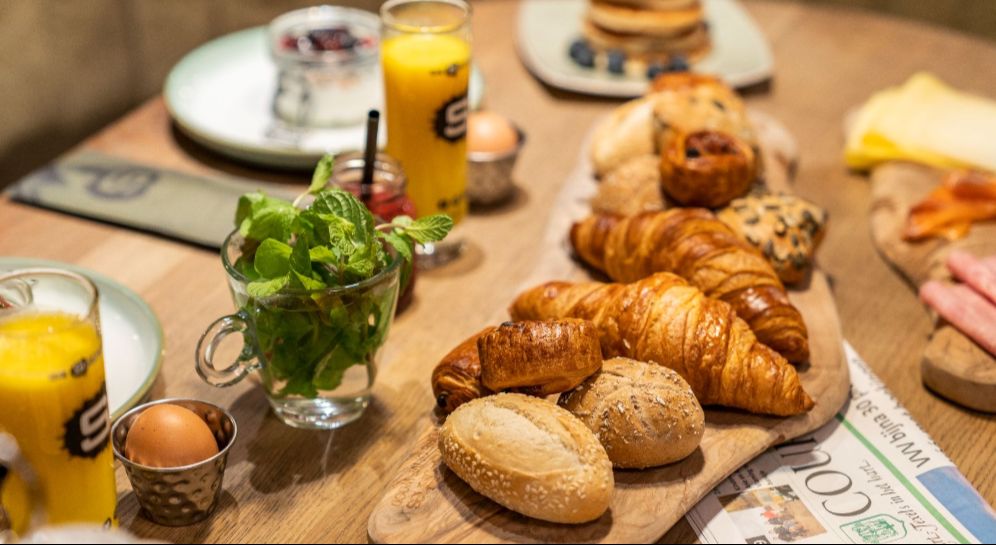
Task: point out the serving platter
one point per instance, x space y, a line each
952 365
428 503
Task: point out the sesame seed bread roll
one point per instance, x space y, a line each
644 415
530 456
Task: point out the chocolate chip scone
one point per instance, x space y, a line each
786 228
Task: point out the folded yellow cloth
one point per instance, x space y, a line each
926 121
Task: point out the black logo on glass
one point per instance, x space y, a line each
451 119
89 429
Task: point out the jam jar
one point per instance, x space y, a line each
388 198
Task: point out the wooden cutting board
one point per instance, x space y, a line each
427 503
953 365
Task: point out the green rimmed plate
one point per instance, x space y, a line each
221 94
132 335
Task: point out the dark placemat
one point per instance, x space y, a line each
192 208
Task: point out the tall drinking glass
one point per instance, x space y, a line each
425 53
53 400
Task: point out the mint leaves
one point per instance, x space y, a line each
310 337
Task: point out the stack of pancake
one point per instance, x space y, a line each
648 31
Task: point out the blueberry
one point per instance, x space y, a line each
617 62
678 64
582 54
655 69
577 46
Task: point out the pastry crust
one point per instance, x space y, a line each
693 244
644 415
707 168
530 456
457 377
663 320
539 358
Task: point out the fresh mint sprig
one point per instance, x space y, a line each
333 242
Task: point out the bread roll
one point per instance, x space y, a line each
530 456
631 188
644 415
628 132
539 358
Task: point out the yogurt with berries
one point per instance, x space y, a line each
328 66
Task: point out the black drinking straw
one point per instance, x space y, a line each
369 156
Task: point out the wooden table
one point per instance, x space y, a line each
295 485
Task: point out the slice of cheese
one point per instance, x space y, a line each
925 121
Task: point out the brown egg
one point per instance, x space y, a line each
169 436
490 132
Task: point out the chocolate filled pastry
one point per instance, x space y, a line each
457 377
707 168
539 358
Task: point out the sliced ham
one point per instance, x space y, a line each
974 272
990 263
966 310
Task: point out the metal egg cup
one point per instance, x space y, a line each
178 496
489 174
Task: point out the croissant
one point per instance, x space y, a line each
693 244
707 168
662 319
457 377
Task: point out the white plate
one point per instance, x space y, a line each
132 336
221 93
739 54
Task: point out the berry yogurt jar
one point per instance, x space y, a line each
328 66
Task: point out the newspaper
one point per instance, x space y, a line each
871 475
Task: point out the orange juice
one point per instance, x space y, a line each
54 403
425 81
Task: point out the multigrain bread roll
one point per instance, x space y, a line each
539 358
644 415
530 456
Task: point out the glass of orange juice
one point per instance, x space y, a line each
425 54
53 399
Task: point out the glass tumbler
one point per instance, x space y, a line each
53 399
425 56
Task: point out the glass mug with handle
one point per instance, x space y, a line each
53 398
314 350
